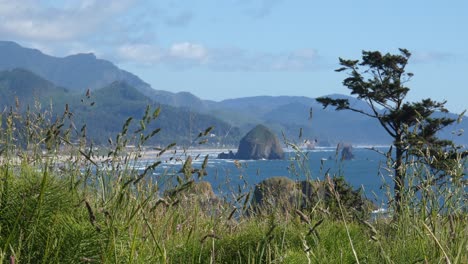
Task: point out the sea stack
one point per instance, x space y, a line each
347 152
258 143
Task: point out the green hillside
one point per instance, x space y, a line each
104 110
27 87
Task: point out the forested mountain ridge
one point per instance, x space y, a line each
119 100
27 87
105 110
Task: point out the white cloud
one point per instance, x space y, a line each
187 50
141 53
430 56
42 30
178 55
305 53
75 26
242 60
186 54
34 20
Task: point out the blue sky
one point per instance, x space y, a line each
220 49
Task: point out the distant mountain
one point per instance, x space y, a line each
24 87
247 112
291 115
106 109
328 127
260 105
77 72
182 99
84 71
113 104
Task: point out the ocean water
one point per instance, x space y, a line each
366 171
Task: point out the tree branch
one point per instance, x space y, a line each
393 134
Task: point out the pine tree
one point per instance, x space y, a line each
380 81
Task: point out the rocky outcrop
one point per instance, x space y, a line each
229 155
193 194
280 193
346 151
259 143
284 195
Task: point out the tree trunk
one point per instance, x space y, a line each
399 174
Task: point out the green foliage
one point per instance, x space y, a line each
340 193
39 218
282 195
69 204
380 81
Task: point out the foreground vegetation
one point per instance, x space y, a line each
62 203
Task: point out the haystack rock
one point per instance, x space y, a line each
260 143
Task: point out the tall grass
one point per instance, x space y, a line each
64 201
